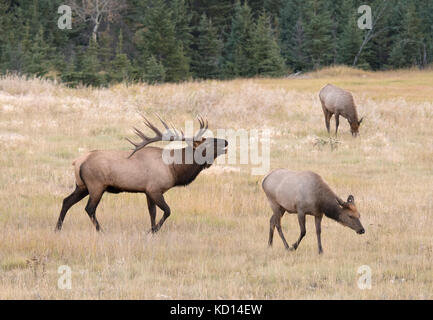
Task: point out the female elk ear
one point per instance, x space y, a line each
360 121
350 199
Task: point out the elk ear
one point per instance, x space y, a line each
360 121
350 199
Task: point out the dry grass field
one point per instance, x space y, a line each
214 245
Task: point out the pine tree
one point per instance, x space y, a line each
238 52
154 71
408 50
318 34
267 58
182 19
351 37
89 67
37 57
273 7
208 53
120 65
158 38
292 34
339 10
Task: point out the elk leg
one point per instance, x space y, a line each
152 212
301 219
318 221
275 220
160 202
91 206
68 202
328 116
337 122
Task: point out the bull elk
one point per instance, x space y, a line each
305 193
142 171
339 102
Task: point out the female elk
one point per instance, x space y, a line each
145 170
305 193
339 102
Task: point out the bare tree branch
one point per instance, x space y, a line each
373 32
96 11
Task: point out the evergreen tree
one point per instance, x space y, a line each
120 65
182 19
409 49
37 57
158 38
154 71
238 51
339 10
273 7
208 54
267 59
318 34
292 35
351 37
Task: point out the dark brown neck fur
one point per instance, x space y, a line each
183 173
331 209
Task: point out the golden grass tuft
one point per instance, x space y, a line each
214 245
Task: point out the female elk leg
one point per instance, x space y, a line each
91 206
152 212
68 202
328 116
160 202
337 122
301 219
276 222
318 221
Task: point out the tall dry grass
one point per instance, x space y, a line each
214 245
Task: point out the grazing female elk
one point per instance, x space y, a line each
145 170
305 193
339 102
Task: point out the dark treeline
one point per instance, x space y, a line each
176 40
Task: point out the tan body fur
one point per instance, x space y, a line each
339 102
142 171
305 193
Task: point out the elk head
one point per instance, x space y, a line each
202 150
349 215
354 126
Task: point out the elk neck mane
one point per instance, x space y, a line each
184 173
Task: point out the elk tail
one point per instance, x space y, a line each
77 168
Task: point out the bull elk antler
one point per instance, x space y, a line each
171 134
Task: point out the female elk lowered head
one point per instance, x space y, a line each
354 126
349 215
